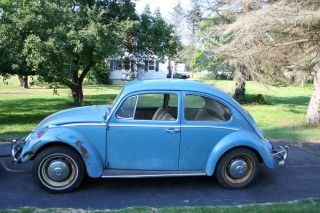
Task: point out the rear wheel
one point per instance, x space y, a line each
58 169
238 168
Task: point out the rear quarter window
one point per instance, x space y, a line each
201 108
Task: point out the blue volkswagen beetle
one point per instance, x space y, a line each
154 128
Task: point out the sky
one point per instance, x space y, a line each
164 5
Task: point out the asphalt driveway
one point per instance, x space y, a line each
299 179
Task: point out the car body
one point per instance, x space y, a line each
154 128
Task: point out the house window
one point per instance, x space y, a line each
146 66
118 65
111 65
115 65
151 65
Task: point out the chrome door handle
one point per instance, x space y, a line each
173 130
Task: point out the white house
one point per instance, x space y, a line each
151 69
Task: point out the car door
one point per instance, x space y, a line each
144 132
205 121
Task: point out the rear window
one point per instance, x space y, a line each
200 108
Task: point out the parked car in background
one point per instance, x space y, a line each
155 128
180 75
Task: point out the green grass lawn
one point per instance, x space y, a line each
305 206
282 118
284 115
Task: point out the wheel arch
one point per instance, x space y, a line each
71 139
55 143
237 140
240 147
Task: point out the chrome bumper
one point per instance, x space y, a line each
16 149
280 155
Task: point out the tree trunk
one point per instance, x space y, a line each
77 94
170 74
313 114
240 91
76 89
77 80
24 81
240 87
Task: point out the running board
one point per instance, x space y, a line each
121 173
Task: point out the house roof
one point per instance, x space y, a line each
177 85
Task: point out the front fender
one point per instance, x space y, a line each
89 154
239 139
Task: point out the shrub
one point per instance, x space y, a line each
100 74
252 99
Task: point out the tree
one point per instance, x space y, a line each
177 19
151 38
221 14
15 26
264 42
194 17
62 40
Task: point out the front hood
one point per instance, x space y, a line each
87 114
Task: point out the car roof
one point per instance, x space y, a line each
176 85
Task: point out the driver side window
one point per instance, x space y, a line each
151 106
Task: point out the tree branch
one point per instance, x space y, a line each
295 42
86 70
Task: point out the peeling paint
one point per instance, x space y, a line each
34 144
83 150
58 139
40 134
28 154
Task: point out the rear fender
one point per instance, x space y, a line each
239 139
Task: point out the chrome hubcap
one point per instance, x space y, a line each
238 168
58 171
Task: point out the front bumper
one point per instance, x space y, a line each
16 149
280 155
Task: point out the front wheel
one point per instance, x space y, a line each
238 168
58 169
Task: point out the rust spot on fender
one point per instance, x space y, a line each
40 134
83 150
33 145
28 154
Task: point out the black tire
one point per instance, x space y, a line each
58 162
229 160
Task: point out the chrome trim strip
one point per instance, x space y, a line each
207 126
144 125
171 126
135 107
154 175
84 124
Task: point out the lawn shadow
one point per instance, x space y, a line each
296 100
293 135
